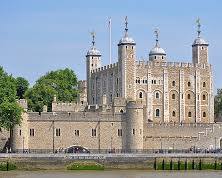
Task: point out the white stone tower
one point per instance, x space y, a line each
93 61
127 65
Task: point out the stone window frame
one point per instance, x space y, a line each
189 84
119 132
173 96
204 98
188 96
58 132
157 95
189 114
77 133
133 132
204 114
173 83
157 112
93 134
140 94
204 84
173 114
32 132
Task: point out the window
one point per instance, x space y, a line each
173 96
204 114
162 57
155 57
119 132
157 113
20 132
94 132
145 81
157 95
204 84
117 94
141 95
173 113
204 97
77 133
173 83
57 132
154 81
93 100
188 84
82 102
117 81
189 114
111 97
32 132
121 111
188 96
126 47
133 131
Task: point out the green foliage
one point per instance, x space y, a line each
21 87
7 87
10 114
3 166
85 166
62 83
218 103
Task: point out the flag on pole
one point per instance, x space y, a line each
110 40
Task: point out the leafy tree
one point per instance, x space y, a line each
62 83
22 86
10 111
218 103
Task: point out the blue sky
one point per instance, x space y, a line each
37 36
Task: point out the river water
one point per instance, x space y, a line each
111 174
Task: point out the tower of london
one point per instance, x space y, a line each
131 106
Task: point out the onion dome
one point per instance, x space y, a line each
126 39
93 51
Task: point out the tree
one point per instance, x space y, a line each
218 103
62 83
22 86
10 111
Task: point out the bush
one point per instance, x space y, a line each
7 166
85 166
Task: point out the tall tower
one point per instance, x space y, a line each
127 65
157 54
199 48
93 61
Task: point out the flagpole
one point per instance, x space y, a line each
110 41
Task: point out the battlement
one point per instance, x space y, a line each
150 64
75 116
103 68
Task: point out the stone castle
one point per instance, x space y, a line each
131 105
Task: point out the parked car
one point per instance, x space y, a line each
76 149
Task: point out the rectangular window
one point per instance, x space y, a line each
133 131
120 132
32 132
57 132
20 132
94 132
77 133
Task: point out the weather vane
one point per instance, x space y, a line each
156 32
93 33
126 23
198 26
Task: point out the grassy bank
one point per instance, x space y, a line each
7 166
85 165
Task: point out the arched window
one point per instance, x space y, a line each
188 84
173 113
121 111
93 100
204 114
141 95
204 84
162 57
204 97
157 95
189 114
188 96
173 96
157 113
173 83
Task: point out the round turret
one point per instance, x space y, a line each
134 125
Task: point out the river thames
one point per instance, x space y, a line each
111 174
